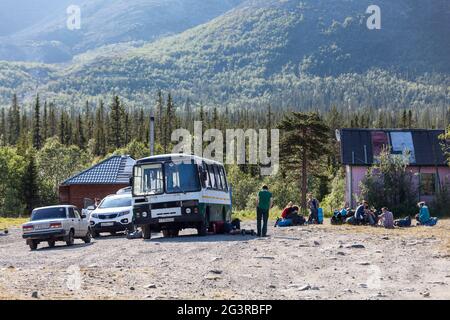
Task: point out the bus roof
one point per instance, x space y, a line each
175 156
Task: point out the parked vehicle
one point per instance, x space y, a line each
174 192
56 223
114 214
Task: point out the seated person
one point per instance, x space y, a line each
361 211
386 218
424 218
287 210
370 216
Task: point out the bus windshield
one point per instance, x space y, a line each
148 179
181 177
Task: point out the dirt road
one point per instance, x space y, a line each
313 262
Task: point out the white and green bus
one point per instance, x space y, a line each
176 191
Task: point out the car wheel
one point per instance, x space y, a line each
146 232
87 238
113 234
174 233
95 234
33 244
70 238
51 243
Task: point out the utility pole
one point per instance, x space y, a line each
152 135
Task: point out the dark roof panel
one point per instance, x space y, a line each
114 170
356 146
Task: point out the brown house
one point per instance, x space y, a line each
99 181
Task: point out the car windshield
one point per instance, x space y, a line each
48 213
112 202
181 177
148 179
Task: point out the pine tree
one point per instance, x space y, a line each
65 129
117 114
80 135
126 129
37 138
99 131
52 122
168 121
30 185
160 117
141 135
304 142
410 120
2 127
45 130
215 119
14 122
88 122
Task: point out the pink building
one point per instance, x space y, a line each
360 148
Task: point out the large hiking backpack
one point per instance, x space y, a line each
320 216
403 223
432 222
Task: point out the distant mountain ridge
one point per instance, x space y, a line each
305 53
103 22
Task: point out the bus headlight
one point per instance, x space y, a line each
188 210
144 214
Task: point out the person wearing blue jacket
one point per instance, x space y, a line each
360 211
424 213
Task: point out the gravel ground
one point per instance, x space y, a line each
312 262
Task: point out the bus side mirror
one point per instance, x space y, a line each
131 181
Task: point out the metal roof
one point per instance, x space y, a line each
360 146
114 170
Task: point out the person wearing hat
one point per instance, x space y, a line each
424 214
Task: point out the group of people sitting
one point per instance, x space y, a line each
290 216
364 215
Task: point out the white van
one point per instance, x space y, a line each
114 214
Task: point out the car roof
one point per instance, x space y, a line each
121 195
56 206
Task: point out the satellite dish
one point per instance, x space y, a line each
338 135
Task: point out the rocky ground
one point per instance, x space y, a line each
312 262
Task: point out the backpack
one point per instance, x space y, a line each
285 223
432 222
403 223
352 221
236 224
320 216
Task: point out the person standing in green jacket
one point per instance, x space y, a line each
264 203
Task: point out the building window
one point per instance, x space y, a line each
428 184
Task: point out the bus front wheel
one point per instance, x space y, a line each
146 232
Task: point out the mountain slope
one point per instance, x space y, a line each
105 22
303 53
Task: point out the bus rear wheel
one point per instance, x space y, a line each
146 232
202 228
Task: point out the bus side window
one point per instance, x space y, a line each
206 183
212 178
224 178
218 180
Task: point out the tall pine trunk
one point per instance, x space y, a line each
304 181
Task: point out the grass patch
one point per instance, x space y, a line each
6 223
246 215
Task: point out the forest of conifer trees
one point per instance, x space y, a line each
43 144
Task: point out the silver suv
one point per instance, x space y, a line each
56 223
